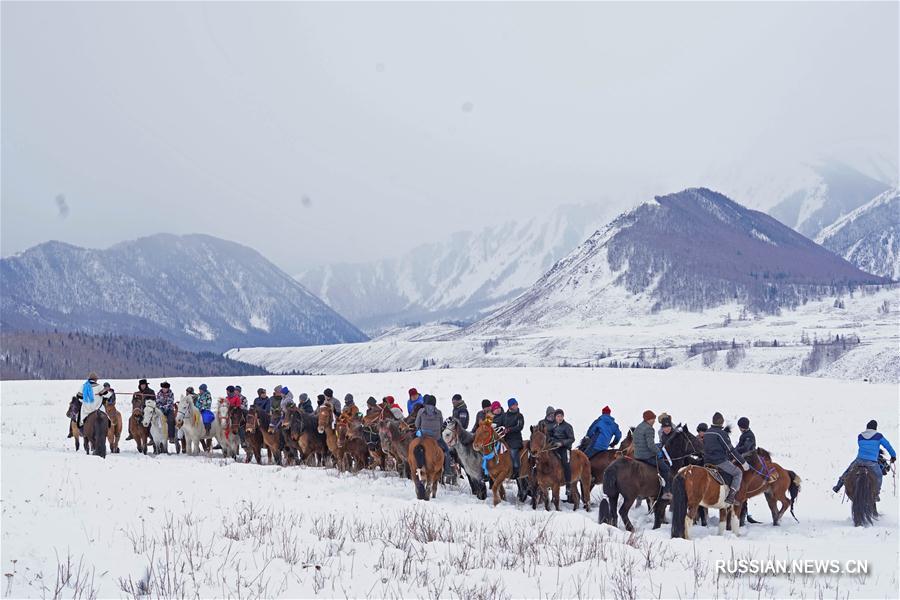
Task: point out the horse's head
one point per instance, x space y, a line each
137 401
222 408
235 417
450 432
484 434
325 417
149 412
184 409
251 424
538 441
385 434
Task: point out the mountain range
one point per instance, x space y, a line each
196 291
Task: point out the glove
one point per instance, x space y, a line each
419 433
893 459
745 466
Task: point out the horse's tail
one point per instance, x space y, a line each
793 490
604 513
862 500
101 427
679 506
610 488
419 455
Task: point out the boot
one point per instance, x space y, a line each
730 499
130 437
568 499
838 486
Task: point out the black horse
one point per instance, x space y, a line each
861 485
96 426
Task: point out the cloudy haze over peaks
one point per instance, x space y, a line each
350 132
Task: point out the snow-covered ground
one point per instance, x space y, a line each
76 525
628 332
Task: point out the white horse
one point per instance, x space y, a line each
190 422
229 438
159 431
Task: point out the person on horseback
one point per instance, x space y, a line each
109 394
348 401
460 411
429 422
561 437
245 406
747 442
509 427
496 410
335 403
415 399
372 407
235 399
604 433
701 430
390 407
74 412
718 451
275 409
286 400
304 403
481 414
665 430
144 393
549 419
646 451
262 403
165 402
869 444
203 402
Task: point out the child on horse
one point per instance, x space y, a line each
718 451
869 443
747 442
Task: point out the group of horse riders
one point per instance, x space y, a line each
604 433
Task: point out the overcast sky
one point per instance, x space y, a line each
319 133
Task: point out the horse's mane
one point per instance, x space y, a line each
764 453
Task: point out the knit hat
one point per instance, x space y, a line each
718 419
606 410
93 376
550 411
203 387
702 427
348 399
744 423
873 424
371 401
649 415
495 406
512 402
329 393
277 389
430 400
285 389
665 421
303 397
413 392
485 403
456 398
390 399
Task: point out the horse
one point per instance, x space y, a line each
395 441
115 427
136 428
457 438
861 485
326 421
253 437
496 460
291 452
353 449
73 413
549 475
367 430
228 419
630 478
783 487
695 486
428 458
96 426
190 421
305 437
272 440
155 421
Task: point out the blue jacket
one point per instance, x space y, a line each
603 432
412 404
869 442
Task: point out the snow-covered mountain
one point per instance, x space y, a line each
869 237
460 278
690 250
196 291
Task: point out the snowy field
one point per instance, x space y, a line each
177 526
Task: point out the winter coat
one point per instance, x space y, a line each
429 422
305 404
513 423
244 405
165 399
275 403
203 401
562 434
461 414
412 403
869 442
91 396
336 404
603 433
234 401
397 412
372 411
263 404
287 400
644 444
147 394
717 446
746 443
110 397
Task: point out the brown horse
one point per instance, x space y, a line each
496 456
326 423
783 486
96 426
631 479
368 432
428 458
74 414
115 427
695 486
548 472
136 428
355 452
253 437
861 485
395 441
272 439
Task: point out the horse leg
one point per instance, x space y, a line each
623 512
586 487
735 524
723 520
554 489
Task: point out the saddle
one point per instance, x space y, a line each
721 477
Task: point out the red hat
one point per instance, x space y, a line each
413 392
649 415
390 399
495 405
606 410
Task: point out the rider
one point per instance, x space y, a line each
702 428
718 451
91 395
747 442
509 427
390 406
165 402
372 407
460 411
304 403
603 433
415 399
262 403
481 414
349 404
665 430
110 393
235 399
203 402
869 442
144 393
561 438
244 404
646 451
335 403
287 401
429 421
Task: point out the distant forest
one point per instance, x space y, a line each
54 355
